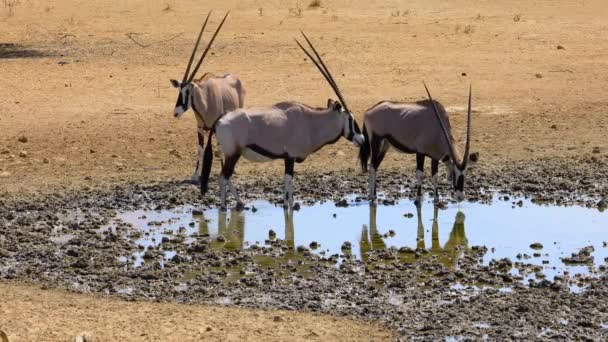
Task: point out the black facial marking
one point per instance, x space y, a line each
460 183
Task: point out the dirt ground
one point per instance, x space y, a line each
31 314
87 85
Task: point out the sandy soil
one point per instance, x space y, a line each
100 106
31 314
95 106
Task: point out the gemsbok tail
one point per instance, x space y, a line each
364 150
207 162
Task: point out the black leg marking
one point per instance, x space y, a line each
229 165
201 145
378 154
434 171
419 170
207 163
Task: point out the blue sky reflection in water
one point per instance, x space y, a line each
506 228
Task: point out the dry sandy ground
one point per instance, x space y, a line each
28 313
96 108
113 97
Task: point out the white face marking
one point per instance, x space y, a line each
179 111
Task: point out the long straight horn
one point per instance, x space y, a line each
200 61
198 40
465 158
445 131
327 73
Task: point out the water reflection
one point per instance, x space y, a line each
448 255
506 229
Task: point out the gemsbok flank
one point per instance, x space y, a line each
210 97
423 128
288 130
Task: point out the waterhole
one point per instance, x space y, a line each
554 240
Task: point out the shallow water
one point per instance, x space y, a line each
507 229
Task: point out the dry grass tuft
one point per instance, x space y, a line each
315 4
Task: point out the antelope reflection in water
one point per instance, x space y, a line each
232 230
448 255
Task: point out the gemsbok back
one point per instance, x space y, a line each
288 130
422 128
210 97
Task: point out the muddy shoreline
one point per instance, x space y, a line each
54 240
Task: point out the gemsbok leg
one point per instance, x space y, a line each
379 148
289 166
225 181
196 177
434 179
419 175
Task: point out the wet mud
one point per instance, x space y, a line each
73 240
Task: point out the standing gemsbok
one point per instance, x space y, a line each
288 130
423 128
210 97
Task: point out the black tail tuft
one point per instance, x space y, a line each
364 151
207 162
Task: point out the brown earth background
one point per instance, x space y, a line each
87 83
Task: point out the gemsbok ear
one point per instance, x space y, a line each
337 106
174 83
474 157
330 103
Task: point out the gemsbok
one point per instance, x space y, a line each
210 97
288 130
422 128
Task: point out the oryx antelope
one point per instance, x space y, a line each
209 97
422 128
288 130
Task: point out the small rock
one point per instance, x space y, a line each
278 319
554 126
536 245
45 161
559 47
23 154
92 151
538 75
22 139
463 74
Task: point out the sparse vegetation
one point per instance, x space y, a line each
400 13
11 4
167 8
296 11
315 4
260 11
517 18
